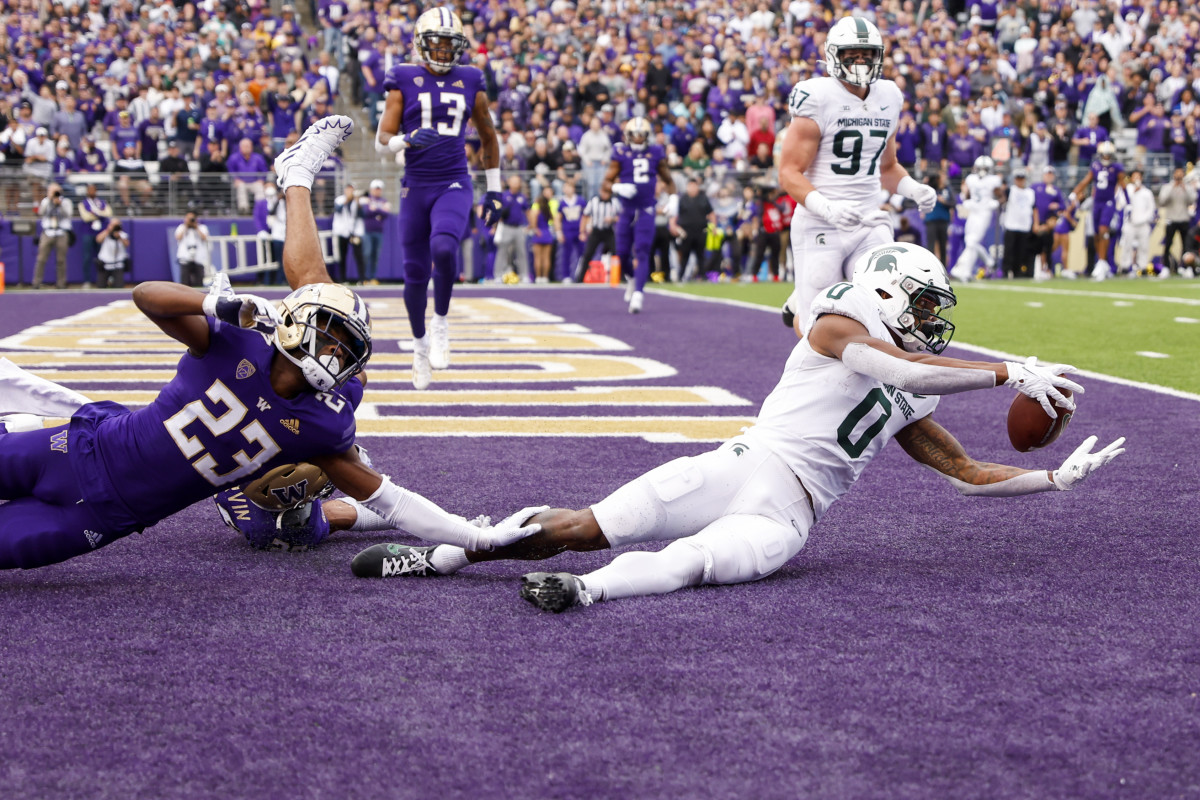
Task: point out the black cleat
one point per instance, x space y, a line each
554 591
394 561
789 316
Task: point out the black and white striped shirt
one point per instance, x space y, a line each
599 211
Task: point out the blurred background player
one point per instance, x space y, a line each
635 167
426 115
837 152
1106 175
981 194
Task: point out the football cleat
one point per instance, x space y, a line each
788 314
630 288
554 591
439 346
394 561
422 370
635 303
299 164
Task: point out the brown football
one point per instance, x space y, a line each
1028 425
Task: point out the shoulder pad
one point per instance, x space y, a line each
846 300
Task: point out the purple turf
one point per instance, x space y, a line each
922 645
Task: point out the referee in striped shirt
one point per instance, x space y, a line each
600 214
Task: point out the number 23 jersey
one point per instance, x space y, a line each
854 134
217 423
443 103
827 421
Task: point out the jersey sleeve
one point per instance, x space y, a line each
847 300
805 101
394 78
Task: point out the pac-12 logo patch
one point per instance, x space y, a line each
244 370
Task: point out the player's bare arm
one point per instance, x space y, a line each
614 171
934 446
177 310
891 173
1079 189
481 118
799 149
389 123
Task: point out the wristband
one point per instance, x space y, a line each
907 187
493 179
397 143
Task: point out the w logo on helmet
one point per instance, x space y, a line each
291 495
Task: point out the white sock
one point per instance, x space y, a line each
637 574
448 559
367 519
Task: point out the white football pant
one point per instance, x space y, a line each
1134 250
978 223
822 255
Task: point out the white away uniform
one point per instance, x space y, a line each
744 507
854 134
980 210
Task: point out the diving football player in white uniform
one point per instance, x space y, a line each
980 199
867 371
837 152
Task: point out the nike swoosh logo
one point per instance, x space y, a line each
883 108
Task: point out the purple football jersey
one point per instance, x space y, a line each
1104 181
441 102
639 167
217 423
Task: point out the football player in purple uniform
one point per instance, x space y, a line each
258 387
428 106
635 166
1105 176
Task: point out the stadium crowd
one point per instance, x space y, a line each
124 90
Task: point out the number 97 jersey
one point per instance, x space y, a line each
854 134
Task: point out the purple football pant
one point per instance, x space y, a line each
569 252
635 238
433 221
44 521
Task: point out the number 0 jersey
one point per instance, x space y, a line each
854 134
443 103
217 423
827 421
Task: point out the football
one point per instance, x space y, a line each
1028 425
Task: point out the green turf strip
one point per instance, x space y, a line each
1072 325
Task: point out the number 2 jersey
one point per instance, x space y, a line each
854 134
639 167
827 421
443 103
217 423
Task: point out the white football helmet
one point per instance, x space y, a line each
984 165
637 132
854 33
440 39
915 299
1106 152
319 315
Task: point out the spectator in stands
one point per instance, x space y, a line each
595 150
96 213
192 250
39 162
88 158
151 131
113 257
132 180
1087 138
55 212
69 121
187 125
270 217
248 169
937 221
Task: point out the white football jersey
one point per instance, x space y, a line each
827 421
854 134
982 190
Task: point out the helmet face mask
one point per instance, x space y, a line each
854 52
326 333
637 133
984 165
915 300
440 39
1107 152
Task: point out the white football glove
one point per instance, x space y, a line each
512 528
243 310
1042 383
626 190
924 196
838 213
1084 462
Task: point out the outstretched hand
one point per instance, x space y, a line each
514 527
1043 383
491 209
1084 462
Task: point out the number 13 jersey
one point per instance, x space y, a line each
854 134
443 103
827 421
